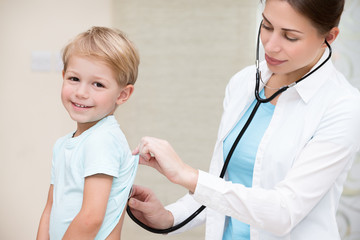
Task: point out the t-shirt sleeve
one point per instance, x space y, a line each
52 180
102 154
56 149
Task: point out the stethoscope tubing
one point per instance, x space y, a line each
200 209
259 100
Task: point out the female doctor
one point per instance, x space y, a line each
286 175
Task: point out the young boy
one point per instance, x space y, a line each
92 168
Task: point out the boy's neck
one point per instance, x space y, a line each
82 127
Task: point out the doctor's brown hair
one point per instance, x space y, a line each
323 14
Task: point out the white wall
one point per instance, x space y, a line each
346 59
32 116
185 65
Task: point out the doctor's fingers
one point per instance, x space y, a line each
136 150
143 199
144 151
144 155
158 146
163 156
140 205
141 192
151 146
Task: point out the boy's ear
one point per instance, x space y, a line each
125 94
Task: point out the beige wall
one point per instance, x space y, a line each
32 116
189 50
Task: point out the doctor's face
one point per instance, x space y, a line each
292 44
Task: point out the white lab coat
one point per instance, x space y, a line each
300 167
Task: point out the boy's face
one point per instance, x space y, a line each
90 91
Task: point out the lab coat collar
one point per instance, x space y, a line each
311 85
308 87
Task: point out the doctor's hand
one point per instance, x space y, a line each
159 154
147 208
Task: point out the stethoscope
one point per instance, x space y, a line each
232 149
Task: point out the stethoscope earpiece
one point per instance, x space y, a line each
284 88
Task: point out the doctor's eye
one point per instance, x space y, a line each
290 38
264 26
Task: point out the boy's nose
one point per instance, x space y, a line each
82 91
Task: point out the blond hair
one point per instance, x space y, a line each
110 46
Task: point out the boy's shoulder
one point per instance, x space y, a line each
107 142
62 140
108 129
107 135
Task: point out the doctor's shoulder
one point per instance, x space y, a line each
241 79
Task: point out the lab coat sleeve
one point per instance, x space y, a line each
325 158
182 209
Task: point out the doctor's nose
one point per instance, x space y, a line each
272 44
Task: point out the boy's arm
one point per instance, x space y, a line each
88 221
43 230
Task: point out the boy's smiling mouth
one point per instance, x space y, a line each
80 105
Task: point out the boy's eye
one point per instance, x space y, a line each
99 85
75 79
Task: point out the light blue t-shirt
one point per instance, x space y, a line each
241 166
102 149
